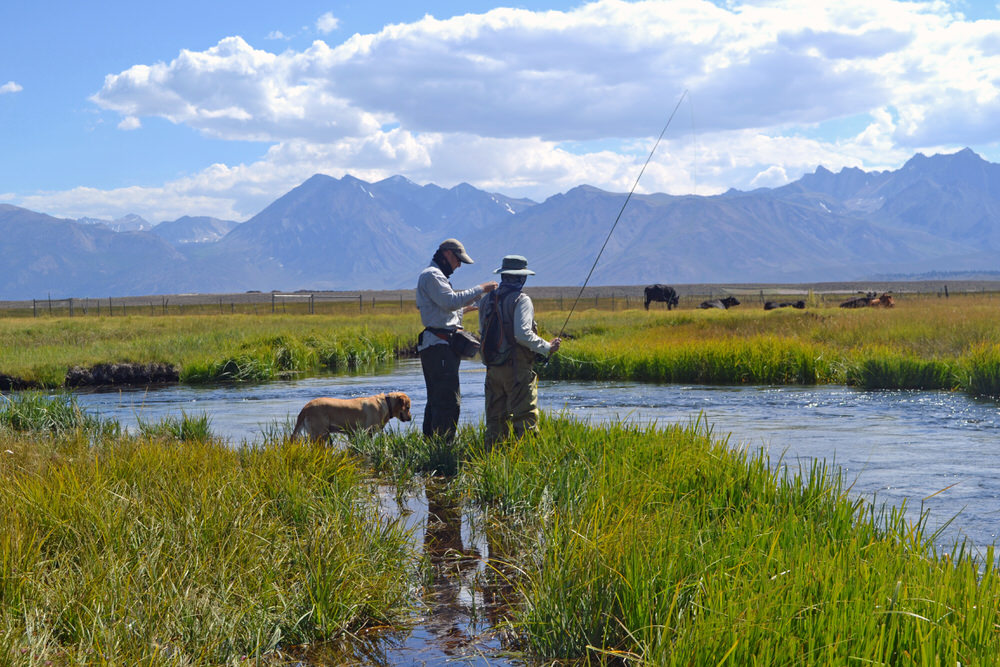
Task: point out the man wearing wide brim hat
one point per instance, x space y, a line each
510 345
441 309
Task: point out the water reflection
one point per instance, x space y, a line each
464 596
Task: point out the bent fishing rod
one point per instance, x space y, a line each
662 132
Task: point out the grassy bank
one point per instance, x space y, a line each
924 343
662 546
172 548
234 348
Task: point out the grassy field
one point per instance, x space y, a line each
925 342
237 348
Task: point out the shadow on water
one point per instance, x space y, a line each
461 603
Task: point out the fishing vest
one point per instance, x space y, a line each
496 327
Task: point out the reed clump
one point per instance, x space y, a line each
664 546
35 412
121 550
186 428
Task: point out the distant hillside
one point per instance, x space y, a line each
44 256
188 229
938 214
128 223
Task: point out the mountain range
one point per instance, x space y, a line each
934 214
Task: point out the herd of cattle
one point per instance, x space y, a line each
668 295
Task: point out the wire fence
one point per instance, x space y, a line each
546 298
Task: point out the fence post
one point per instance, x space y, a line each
312 304
111 308
361 305
272 303
400 303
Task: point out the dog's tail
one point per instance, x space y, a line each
299 425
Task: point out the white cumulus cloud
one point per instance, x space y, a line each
11 87
531 103
327 23
129 123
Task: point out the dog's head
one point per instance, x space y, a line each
399 406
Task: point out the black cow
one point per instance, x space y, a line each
771 305
661 293
860 301
724 304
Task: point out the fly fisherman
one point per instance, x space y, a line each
441 309
510 345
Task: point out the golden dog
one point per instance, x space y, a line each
322 417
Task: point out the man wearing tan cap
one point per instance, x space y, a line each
441 309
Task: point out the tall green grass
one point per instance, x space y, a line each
185 428
663 546
935 344
122 550
35 412
236 348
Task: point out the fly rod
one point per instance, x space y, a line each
662 132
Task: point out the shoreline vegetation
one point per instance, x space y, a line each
925 342
612 544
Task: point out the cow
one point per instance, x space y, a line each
661 293
771 305
885 300
870 299
860 301
724 304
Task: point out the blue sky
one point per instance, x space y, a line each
216 109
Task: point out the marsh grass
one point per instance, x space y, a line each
122 550
404 455
186 428
36 412
923 343
664 546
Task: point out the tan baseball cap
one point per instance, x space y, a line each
456 247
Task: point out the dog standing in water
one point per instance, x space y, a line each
325 416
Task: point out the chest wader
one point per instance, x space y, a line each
512 386
444 395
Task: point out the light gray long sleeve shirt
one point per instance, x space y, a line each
524 320
439 304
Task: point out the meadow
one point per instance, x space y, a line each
925 342
622 544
